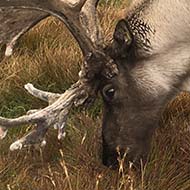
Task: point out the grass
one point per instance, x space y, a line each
49 58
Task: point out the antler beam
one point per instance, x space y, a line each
70 12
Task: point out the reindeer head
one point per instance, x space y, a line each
106 69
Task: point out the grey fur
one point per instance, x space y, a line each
156 68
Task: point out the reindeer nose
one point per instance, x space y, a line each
112 158
109 157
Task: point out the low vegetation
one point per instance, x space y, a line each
49 58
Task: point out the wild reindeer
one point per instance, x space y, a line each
146 64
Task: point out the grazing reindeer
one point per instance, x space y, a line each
146 64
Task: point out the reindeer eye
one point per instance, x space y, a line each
108 92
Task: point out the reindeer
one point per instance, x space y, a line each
146 64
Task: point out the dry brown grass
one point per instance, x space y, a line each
49 58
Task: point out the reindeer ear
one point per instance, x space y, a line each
122 39
14 23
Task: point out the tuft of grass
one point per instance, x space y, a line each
49 58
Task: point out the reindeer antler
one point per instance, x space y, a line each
80 17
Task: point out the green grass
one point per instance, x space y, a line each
49 58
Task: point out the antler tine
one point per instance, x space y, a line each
43 95
90 20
